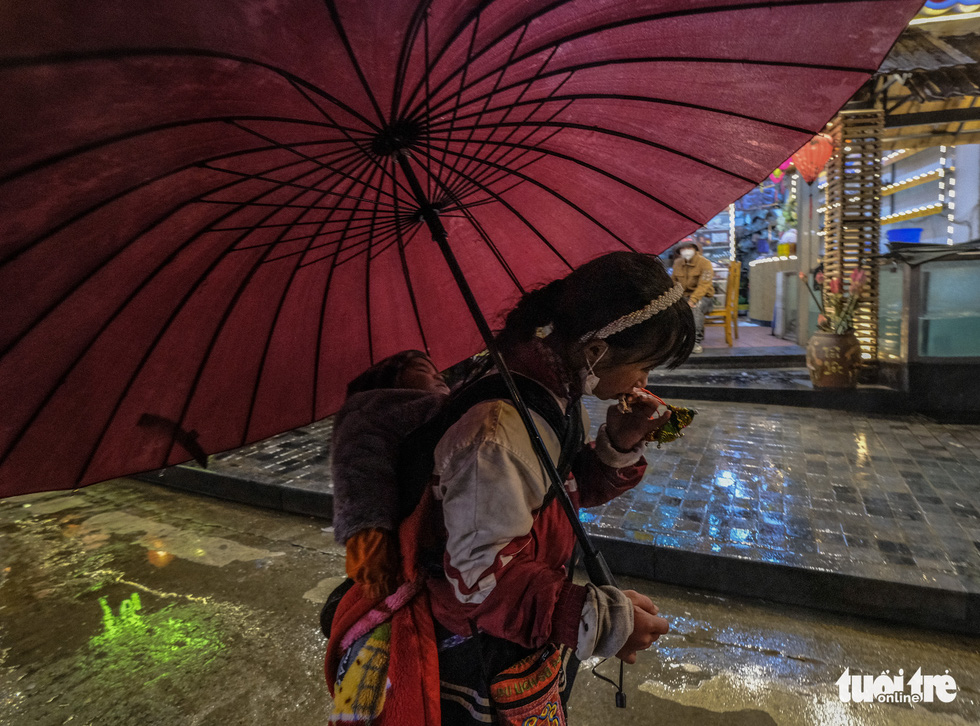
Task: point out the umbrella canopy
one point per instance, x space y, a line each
207 227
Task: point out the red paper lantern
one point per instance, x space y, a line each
811 158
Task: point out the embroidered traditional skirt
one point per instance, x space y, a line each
468 665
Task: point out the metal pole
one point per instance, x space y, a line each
595 563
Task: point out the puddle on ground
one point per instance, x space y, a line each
167 539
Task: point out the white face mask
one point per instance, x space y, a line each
590 379
688 253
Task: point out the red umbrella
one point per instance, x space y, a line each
209 216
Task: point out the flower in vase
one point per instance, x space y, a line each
858 278
838 305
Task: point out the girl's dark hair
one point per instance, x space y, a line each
599 292
385 373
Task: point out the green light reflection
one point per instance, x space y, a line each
151 646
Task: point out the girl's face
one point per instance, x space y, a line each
616 379
421 374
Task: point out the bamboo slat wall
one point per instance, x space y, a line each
852 215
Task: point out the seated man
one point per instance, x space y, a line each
694 272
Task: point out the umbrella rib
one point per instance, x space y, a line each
406 273
488 175
557 196
396 184
119 195
288 206
640 99
332 169
159 337
610 132
129 298
419 17
667 59
330 192
277 226
672 59
353 250
455 107
365 86
362 236
496 252
479 228
687 12
321 225
66 58
607 174
278 144
490 244
261 176
487 180
496 85
367 286
320 328
146 229
471 17
145 131
562 198
499 158
266 348
428 97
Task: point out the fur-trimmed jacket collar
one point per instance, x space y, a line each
367 432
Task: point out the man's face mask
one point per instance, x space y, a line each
688 253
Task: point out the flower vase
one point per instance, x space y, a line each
833 359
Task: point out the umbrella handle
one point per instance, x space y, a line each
598 568
595 563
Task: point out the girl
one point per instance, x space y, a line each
505 595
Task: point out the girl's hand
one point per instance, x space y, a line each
626 430
647 626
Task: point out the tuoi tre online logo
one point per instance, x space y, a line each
887 688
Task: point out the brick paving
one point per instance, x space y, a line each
298 459
891 498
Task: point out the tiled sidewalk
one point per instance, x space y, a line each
795 378
889 498
845 510
299 459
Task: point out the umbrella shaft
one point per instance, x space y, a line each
595 563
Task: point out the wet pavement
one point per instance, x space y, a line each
890 498
852 500
792 378
128 604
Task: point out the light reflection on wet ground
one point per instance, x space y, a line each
120 609
754 664
95 632
882 497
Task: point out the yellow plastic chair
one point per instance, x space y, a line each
727 314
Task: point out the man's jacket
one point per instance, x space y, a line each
695 276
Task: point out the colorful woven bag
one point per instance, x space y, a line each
529 692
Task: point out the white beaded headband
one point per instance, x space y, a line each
635 318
